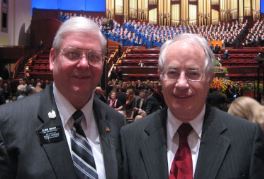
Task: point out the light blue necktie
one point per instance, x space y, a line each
82 155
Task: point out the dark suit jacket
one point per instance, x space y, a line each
152 104
143 106
24 156
230 148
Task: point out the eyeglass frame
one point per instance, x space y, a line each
164 74
84 53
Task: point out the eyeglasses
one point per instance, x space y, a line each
75 54
190 74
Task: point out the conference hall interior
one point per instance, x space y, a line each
135 30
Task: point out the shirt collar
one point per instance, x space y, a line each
66 109
173 124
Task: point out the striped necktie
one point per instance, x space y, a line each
82 155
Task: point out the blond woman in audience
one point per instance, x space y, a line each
114 102
248 108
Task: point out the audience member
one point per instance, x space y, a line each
21 87
231 93
248 108
153 102
38 87
113 102
190 139
130 104
141 101
141 104
217 49
7 89
217 99
226 55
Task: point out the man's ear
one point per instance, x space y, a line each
52 58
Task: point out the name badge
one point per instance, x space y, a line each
50 135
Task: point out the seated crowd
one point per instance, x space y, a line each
133 99
255 37
11 90
137 33
150 35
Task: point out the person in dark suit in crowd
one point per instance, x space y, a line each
42 136
139 109
190 139
226 55
217 99
141 100
153 102
217 49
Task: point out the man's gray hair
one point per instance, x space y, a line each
78 24
193 39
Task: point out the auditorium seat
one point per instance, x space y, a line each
242 64
139 63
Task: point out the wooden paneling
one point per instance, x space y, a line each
45 30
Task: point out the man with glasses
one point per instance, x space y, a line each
190 139
64 132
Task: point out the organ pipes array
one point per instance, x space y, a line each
173 12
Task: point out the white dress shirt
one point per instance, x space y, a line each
89 127
194 137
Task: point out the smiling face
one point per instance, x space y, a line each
185 98
77 79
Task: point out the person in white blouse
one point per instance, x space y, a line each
216 146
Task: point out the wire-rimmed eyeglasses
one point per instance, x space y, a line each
192 74
75 54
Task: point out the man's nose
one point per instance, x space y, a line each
84 60
182 81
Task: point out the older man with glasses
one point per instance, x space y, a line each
64 132
190 139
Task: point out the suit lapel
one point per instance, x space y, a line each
108 149
58 153
214 146
153 148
